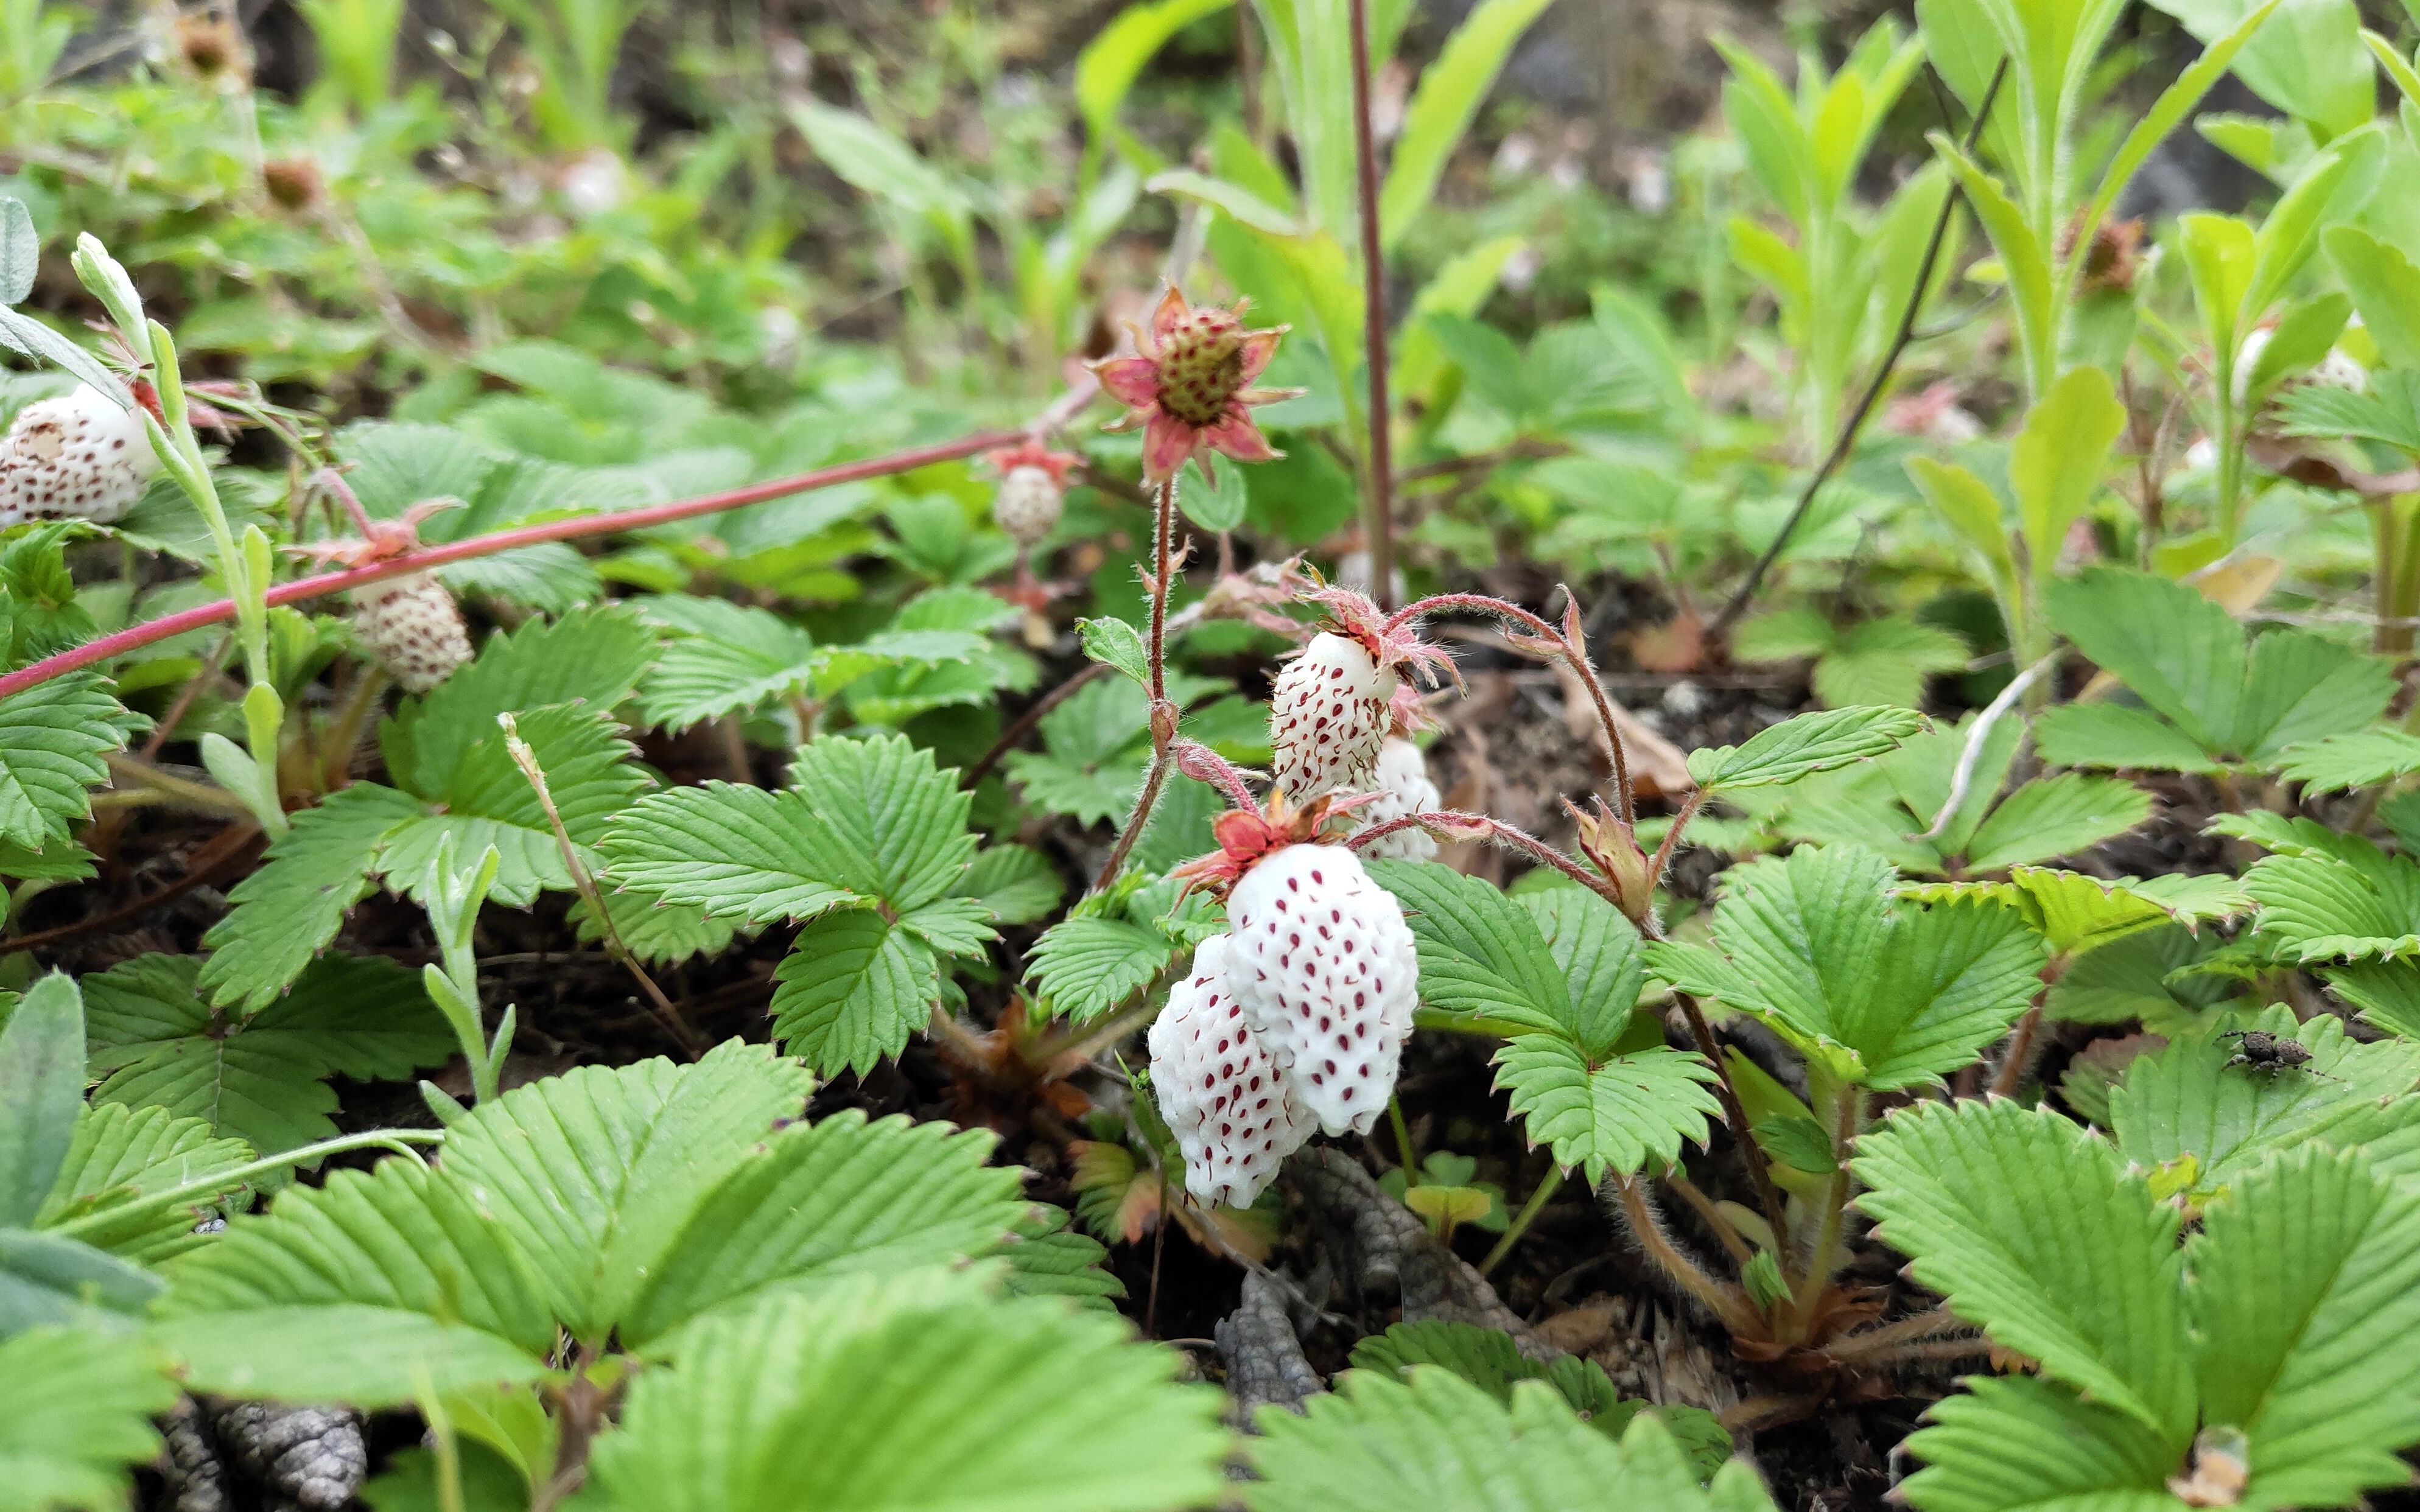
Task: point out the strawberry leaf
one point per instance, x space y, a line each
52 738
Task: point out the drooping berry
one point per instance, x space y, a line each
1328 711
1233 1115
411 626
1032 490
1188 387
82 455
1404 789
1325 972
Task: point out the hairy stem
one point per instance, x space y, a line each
1735 1113
1727 1303
223 610
1847 435
1381 502
1734 1243
1662 856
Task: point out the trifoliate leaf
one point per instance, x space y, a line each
262 1079
853 990
52 738
289 909
121 1153
939 677
923 1398
2305 1292
593 1173
738 853
2188 1101
1611 1116
841 1197
1096 747
1888 996
2034 1230
371 1289
1083 968
1802 747
1480 952
75 1414
2233 698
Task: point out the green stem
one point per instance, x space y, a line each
2230 458
1848 1118
1410 1157
1547 1185
399 1140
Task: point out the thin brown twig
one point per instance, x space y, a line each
1856 422
1735 1113
1025 723
221 851
1381 502
186 697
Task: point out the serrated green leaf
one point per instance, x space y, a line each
371 1289
1885 661
289 909
75 1415
121 1153
593 1173
738 853
2361 758
2076 913
728 658
2360 903
1119 645
2015 1443
900 821
1014 883
2132 978
1480 954
593 656
1047 1259
2035 1232
1887 997
853 990
1081 968
2188 1101
931 1390
1427 1437
841 1197
42 1084
262 1079
2305 1292
2112 736
2054 816
1602 960
1610 1117
1802 747
660 933
52 738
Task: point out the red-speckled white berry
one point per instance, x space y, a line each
411 626
1234 1117
1325 972
81 456
1404 788
1327 716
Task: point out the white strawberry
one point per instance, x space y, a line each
1033 490
1328 711
1233 1115
82 455
1404 788
1321 961
411 626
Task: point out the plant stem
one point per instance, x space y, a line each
1403 1149
1847 435
1163 714
1506 835
1735 1114
1380 507
1662 856
1733 1242
220 612
1727 1303
1547 1186
1821 1260
399 1140
204 797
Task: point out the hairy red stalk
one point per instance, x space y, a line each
223 610
1373 319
